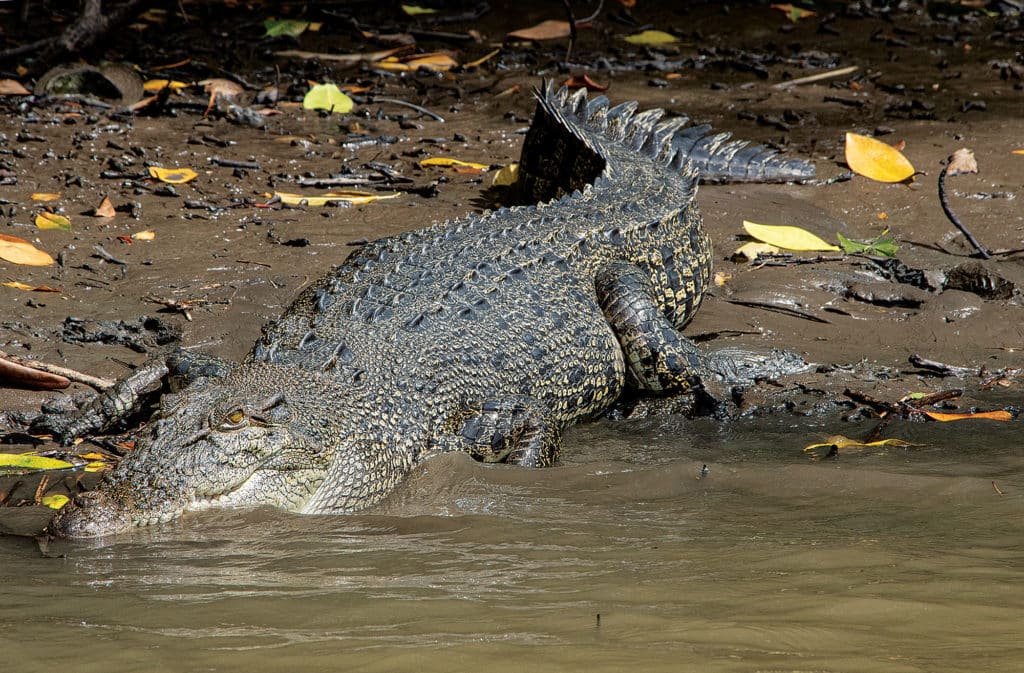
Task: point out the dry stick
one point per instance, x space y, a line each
94 381
815 78
412 106
956 220
573 23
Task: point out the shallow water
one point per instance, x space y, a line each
907 560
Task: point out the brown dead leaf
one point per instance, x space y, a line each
105 209
583 82
219 86
31 288
12 87
962 161
545 30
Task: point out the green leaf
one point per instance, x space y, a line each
651 38
327 97
884 245
290 27
28 461
414 10
55 501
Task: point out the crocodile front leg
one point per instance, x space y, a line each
517 429
660 359
128 395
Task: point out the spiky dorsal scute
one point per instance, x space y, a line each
671 143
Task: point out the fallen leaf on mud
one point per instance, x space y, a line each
28 461
748 252
583 82
105 209
154 85
45 196
545 30
289 27
793 13
327 97
20 251
1016 151
173 176
146 235
652 38
447 161
352 196
31 288
440 61
962 161
788 238
416 10
218 86
11 87
876 160
48 220
998 415
883 245
506 177
483 59
55 501
835 443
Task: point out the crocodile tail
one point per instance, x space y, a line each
560 153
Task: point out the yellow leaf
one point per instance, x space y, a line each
440 61
327 97
45 196
876 160
839 442
483 59
154 85
1016 151
19 251
999 415
652 38
146 235
48 220
55 501
31 288
749 251
352 196
174 176
96 466
789 238
415 10
545 30
793 13
506 177
28 461
447 161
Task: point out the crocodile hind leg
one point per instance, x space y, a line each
127 396
659 358
515 429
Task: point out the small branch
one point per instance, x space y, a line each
816 78
70 374
956 220
411 106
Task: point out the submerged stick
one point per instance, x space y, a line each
816 78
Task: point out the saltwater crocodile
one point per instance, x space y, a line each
488 334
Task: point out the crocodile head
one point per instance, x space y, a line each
263 435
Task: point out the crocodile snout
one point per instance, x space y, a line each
91 514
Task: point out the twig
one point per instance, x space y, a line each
839 72
411 106
232 163
785 310
956 220
78 377
573 22
940 368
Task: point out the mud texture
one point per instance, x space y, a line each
223 261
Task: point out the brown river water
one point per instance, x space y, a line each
625 556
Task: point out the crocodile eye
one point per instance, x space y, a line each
233 420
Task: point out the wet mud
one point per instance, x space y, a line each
222 262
